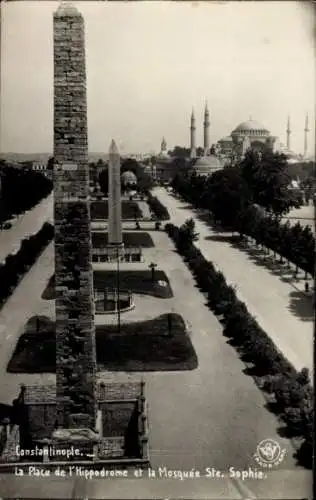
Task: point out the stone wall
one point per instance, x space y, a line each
75 339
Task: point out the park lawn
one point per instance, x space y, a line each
139 281
130 239
130 210
153 345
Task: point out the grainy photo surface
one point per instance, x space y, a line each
157 250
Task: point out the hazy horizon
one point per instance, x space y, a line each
149 63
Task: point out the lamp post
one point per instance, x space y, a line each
152 266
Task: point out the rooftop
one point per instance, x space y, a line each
249 126
207 165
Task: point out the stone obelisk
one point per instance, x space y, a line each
75 336
115 204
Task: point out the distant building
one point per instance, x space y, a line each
42 168
206 165
210 162
164 166
255 136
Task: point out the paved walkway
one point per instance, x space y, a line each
211 405
143 205
23 304
213 416
304 215
282 311
25 225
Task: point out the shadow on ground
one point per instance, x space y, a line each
301 452
302 306
160 344
225 238
185 207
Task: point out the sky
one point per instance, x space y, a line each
148 63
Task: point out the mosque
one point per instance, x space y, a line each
255 136
247 135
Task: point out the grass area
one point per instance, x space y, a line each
130 239
135 281
155 345
130 210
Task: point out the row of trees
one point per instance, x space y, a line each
260 179
157 208
21 189
251 198
17 265
295 243
291 390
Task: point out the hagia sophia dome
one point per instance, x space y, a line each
251 127
248 135
252 134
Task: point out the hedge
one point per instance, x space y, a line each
292 390
17 265
157 208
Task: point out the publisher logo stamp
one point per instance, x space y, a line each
269 453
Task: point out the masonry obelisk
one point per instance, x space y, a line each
75 336
115 203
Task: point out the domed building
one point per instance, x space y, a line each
207 165
128 178
164 167
210 162
251 134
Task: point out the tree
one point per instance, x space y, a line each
226 195
104 180
268 180
21 189
179 152
187 231
50 163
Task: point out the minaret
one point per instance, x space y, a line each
193 137
306 130
288 134
163 147
206 125
115 207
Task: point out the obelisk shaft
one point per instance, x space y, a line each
115 204
75 336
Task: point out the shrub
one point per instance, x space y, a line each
292 391
272 382
17 265
21 190
157 208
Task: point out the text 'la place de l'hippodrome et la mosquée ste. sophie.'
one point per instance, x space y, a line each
159 473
